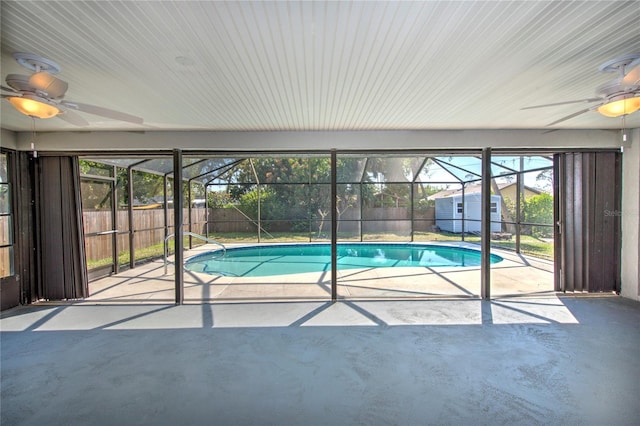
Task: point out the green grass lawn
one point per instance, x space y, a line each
528 245
151 252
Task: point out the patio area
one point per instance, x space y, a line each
525 360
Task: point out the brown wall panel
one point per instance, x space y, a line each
558 209
605 218
25 236
9 292
51 223
569 224
590 242
579 231
586 207
61 260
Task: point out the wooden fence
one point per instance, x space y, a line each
148 229
149 225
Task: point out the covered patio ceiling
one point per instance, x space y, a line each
324 65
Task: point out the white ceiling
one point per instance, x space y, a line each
249 66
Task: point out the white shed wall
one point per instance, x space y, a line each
449 219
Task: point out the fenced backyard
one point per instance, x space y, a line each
229 225
149 228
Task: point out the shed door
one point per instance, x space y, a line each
588 190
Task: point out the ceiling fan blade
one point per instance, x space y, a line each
72 118
632 78
588 100
9 89
103 112
52 86
575 114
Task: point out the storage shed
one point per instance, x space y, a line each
449 213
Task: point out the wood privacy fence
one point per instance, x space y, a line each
149 225
385 219
148 228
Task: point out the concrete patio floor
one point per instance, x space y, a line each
514 361
515 275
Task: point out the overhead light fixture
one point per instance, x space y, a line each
33 106
620 105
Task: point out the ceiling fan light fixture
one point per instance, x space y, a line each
623 105
33 107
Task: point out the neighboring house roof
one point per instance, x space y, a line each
473 189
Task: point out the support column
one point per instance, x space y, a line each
114 213
455 209
132 249
206 211
411 212
165 194
519 197
485 244
255 175
334 226
559 206
189 214
178 219
361 210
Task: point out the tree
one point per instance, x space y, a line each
218 199
262 206
95 195
506 215
147 187
539 209
545 178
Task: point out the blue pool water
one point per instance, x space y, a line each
260 261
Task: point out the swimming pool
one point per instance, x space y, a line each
282 259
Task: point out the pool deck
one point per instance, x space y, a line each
515 275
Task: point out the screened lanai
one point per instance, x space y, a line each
394 208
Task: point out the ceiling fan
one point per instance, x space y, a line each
618 97
41 94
